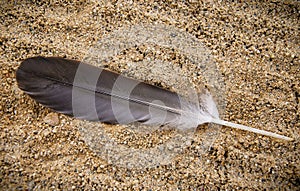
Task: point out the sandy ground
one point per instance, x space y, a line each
255 46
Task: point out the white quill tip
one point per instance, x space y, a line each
254 130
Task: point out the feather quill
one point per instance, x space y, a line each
100 95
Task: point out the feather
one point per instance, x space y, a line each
91 93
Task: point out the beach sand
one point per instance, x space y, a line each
255 46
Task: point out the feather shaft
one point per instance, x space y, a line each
251 129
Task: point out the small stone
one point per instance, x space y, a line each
46 132
52 119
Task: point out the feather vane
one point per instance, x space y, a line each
87 92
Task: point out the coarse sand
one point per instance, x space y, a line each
255 46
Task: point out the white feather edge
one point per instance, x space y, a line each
208 113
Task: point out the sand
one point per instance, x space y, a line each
255 46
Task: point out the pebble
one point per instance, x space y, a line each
52 119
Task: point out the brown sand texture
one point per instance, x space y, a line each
254 46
